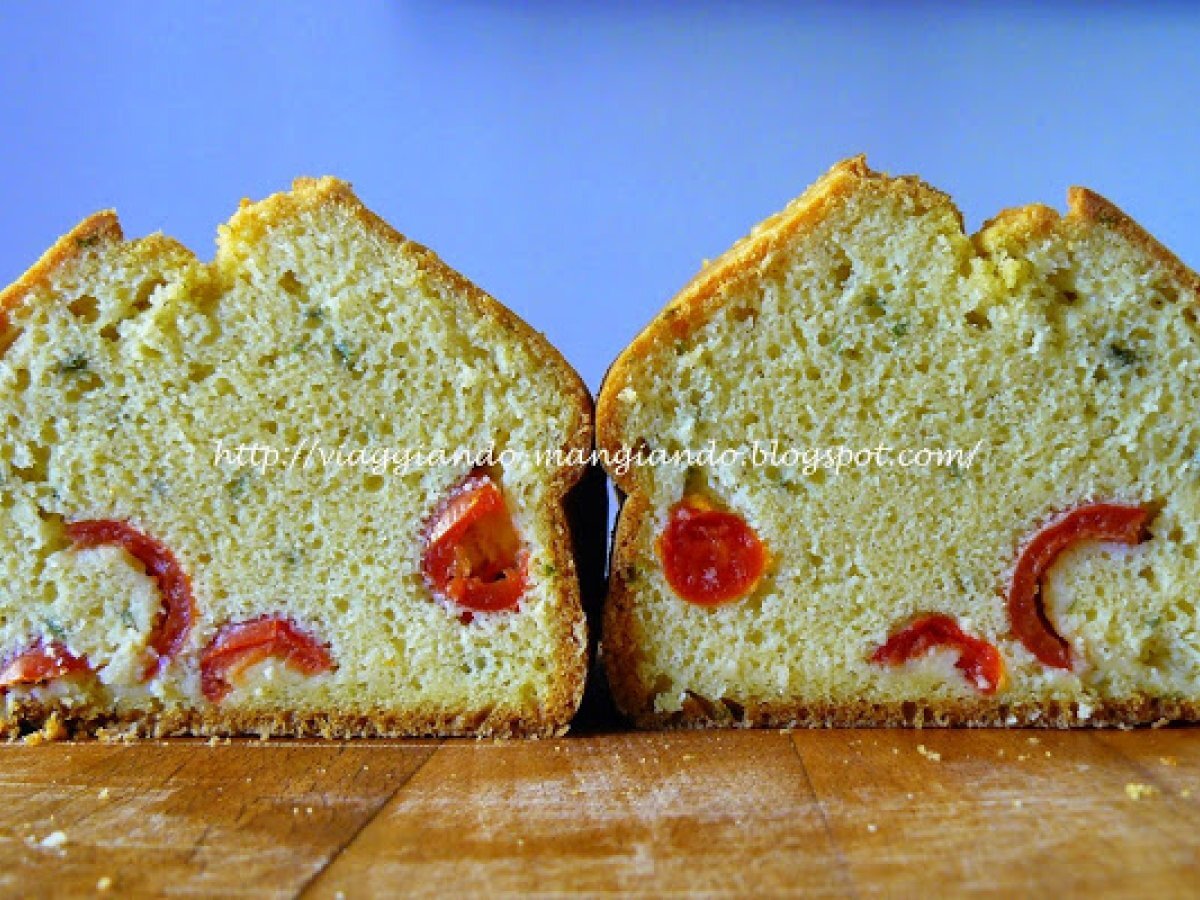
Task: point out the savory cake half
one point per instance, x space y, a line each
312 487
990 514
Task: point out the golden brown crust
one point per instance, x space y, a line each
101 227
554 717
1090 208
749 259
620 649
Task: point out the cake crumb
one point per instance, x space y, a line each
54 839
1186 793
931 755
1136 791
1169 760
1034 741
52 730
103 795
1017 804
1160 723
872 827
104 884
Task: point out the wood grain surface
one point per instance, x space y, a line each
839 813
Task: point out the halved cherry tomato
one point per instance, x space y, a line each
239 645
710 556
174 619
1096 522
472 550
41 663
978 660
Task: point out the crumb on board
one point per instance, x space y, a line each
103 795
1169 760
126 735
872 827
1137 791
104 884
931 755
54 839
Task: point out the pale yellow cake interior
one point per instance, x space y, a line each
126 368
1070 353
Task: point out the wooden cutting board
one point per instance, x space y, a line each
843 813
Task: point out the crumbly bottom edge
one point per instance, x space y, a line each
34 722
1127 713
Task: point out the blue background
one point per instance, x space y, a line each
578 160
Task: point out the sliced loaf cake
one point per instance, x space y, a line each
302 489
950 479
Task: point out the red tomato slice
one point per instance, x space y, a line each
174 620
41 663
1096 522
239 645
978 660
472 552
710 556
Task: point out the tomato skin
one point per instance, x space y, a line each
41 663
979 661
239 645
174 619
472 553
710 556
1107 522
